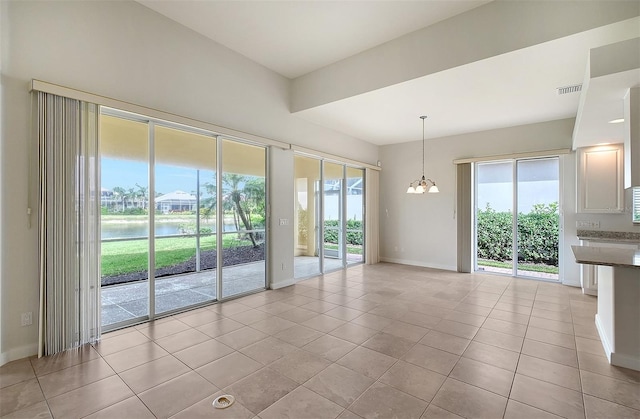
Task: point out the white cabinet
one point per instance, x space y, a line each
600 179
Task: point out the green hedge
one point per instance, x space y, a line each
353 237
538 231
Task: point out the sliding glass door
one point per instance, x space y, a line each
531 186
354 215
332 215
125 237
538 223
494 217
307 216
244 217
329 216
184 218
177 203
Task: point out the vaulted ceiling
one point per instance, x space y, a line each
371 68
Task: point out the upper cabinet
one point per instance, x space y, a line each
600 179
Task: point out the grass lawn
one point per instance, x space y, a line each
531 267
121 257
352 250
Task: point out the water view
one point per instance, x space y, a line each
113 230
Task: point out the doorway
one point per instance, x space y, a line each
517 217
329 216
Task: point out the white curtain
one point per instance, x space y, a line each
69 229
372 216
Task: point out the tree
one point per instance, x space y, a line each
143 194
238 198
121 193
241 195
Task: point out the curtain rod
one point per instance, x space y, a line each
542 153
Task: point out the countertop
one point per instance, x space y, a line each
609 236
607 256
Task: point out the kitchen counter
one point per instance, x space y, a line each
609 236
618 273
607 256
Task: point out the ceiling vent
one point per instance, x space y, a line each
569 89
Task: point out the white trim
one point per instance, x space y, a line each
43 86
419 263
334 159
282 284
625 361
616 359
542 153
18 353
575 283
608 351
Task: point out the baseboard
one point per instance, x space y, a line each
603 338
18 353
419 263
281 284
572 283
625 361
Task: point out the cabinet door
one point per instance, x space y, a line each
600 179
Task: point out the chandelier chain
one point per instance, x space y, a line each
423 147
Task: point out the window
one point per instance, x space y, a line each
636 205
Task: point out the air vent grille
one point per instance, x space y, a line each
569 89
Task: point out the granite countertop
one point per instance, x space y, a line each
607 256
609 236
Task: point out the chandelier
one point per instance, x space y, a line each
423 185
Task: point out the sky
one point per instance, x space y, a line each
126 173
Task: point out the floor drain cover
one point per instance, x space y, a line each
223 402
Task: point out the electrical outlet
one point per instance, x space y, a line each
588 224
26 319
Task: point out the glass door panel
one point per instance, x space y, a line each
355 215
494 217
307 216
244 218
333 238
538 218
184 274
124 156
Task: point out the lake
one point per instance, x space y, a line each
163 228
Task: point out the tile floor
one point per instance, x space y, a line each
378 341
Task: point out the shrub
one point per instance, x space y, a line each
538 233
353 237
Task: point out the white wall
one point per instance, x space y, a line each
123 50
421 229
281 237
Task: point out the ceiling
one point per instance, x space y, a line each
511 89
294 38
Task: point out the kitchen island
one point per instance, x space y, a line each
618 316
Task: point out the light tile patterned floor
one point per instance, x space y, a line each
377 341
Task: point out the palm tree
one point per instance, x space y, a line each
131 196
241 195
143 193
122 194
